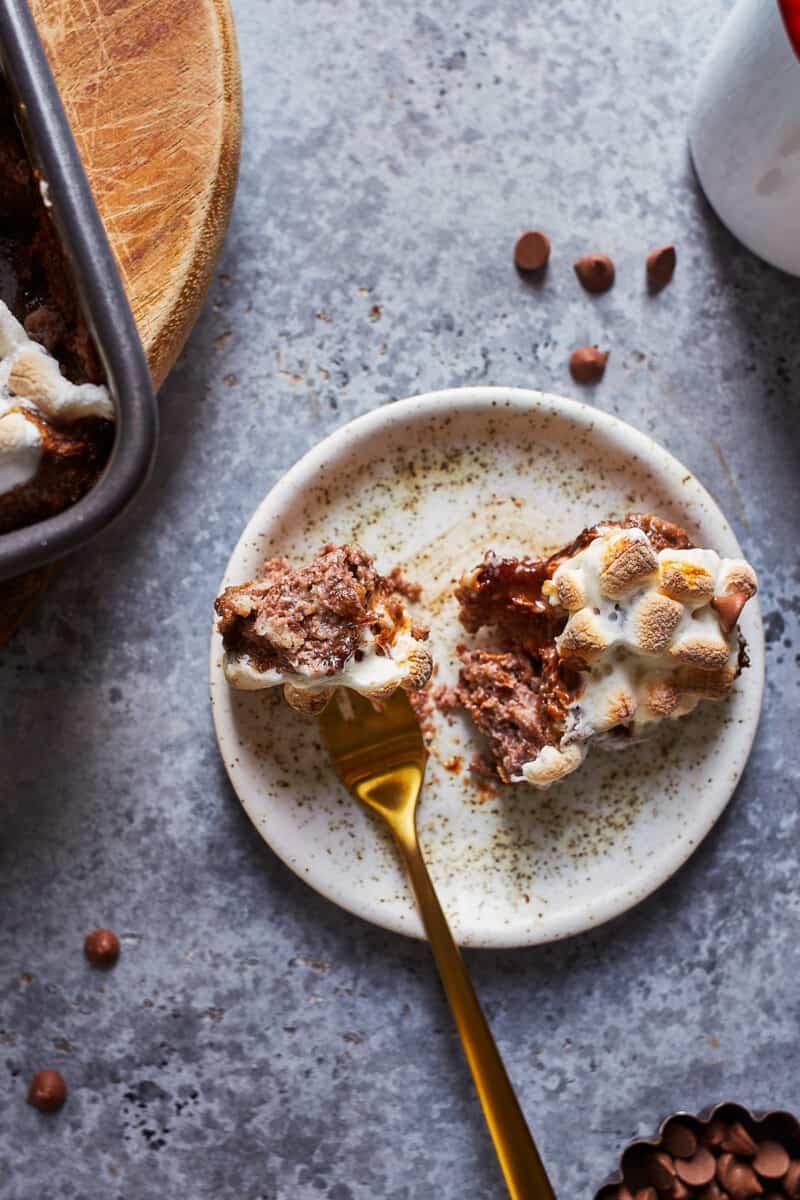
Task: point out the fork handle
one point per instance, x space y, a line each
522 1167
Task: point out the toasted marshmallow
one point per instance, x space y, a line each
627 561
584 637
689 576
550 765
20 450
370 671
31 381
656 632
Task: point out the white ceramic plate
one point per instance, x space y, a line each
430 483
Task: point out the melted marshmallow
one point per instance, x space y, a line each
31 382
642 625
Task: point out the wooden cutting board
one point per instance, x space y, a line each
153 93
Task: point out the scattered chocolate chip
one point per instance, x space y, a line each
532 250
771 1161
101 947
660 267
587 364
679 1140
679 1191
661 1171
738 1140
729 608
698 1170
595 272
47 1091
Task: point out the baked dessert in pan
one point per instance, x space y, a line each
56 415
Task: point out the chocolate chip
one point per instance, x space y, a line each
737 1178
738 1140
679 1191
791 1180
587 364
771 1160
661 1171
712 1192
660 267
101 947
532 250
679 1140
47 1091
728 609
714 1134
646 1193
699 1169
595 272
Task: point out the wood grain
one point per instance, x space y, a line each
153 94
152 91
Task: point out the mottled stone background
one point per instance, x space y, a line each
254 1043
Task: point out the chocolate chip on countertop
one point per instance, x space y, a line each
532 250
47 1091
587 364
595 272
101 947
679 1140
660 267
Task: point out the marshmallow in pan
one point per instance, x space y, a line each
31 383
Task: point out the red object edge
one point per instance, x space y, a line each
790 11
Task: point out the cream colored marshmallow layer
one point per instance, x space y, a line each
643 629
370 673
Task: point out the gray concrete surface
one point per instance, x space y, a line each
254 1043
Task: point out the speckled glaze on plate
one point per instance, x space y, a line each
430 483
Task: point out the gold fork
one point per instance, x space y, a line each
381 758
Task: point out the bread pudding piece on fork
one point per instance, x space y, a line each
629 625
335 622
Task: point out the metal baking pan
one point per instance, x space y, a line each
54 156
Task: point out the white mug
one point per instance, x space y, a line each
744 133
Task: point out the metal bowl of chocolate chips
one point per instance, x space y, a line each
727 1153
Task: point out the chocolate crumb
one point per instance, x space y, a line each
532 251
587 364
101 947
660 267
595 272
47 1091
